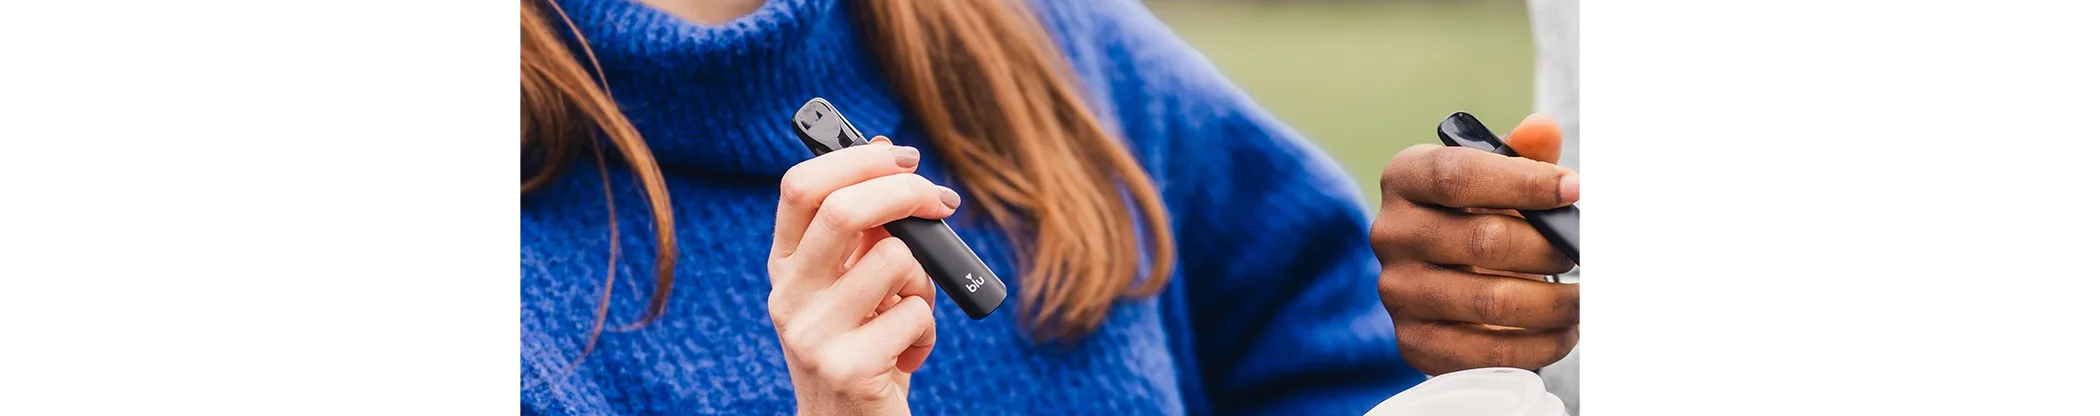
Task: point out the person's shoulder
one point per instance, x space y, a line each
1068 15
1126 53
1108 26
1156 87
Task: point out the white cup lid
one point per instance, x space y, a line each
1495 391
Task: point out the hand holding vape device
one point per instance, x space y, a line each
1561 226
950 262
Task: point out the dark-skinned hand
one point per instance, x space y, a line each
1463 274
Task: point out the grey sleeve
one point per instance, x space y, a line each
1563 379
1553 27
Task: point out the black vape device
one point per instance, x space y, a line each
1561 226
951 264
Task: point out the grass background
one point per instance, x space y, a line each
1365 79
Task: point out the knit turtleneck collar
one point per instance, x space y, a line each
628 34
717 98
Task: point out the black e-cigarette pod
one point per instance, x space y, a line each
953 266
1561 226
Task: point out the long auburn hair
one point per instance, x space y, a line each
985 80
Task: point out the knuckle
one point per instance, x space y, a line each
1390 281
837 218
1408 291
1383 245
1399 276
835 366
1550 351
802 345
1545 184
780 317
1569 305
1428 236
876 156
920 317
1447 175
905 186
927 192
784 269
803 364
1392 291
777 309
1413 334
797 190
1407 330
1382 230
893 249
1492 302
1393 236
862 392
897 260
1402 166
911 184
924 309
1487 242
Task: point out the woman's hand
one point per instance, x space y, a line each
1463 272
851 305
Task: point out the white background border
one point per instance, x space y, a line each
1823 207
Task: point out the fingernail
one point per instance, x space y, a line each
949 197
907 156
880 139
1570 187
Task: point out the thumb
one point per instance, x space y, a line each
1536 138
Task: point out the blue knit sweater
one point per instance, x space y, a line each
1273 308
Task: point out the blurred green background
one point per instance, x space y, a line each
1365 79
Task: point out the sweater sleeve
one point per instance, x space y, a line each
1275 310
1279 282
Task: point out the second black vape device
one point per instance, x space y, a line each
1561 226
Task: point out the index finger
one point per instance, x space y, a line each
1458 177
805 186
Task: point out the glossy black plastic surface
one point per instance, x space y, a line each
950 262
1561 226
